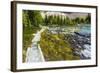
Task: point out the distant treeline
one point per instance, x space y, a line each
34 18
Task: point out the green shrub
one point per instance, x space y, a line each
54 48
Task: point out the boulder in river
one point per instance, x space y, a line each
81 44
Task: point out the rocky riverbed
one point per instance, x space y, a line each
81 44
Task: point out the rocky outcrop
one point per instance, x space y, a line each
80 44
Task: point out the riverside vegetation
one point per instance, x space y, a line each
55 46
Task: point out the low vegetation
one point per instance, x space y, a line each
52 45
54 48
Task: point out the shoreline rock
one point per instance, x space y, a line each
80 43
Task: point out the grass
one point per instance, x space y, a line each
27 38
54 48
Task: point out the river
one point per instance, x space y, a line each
86 32
82 36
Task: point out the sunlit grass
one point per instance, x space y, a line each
55 48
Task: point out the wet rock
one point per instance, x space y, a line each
81 44
87 35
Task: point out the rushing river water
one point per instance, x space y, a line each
81 36
85 36
85 30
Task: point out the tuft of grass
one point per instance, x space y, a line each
54 48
